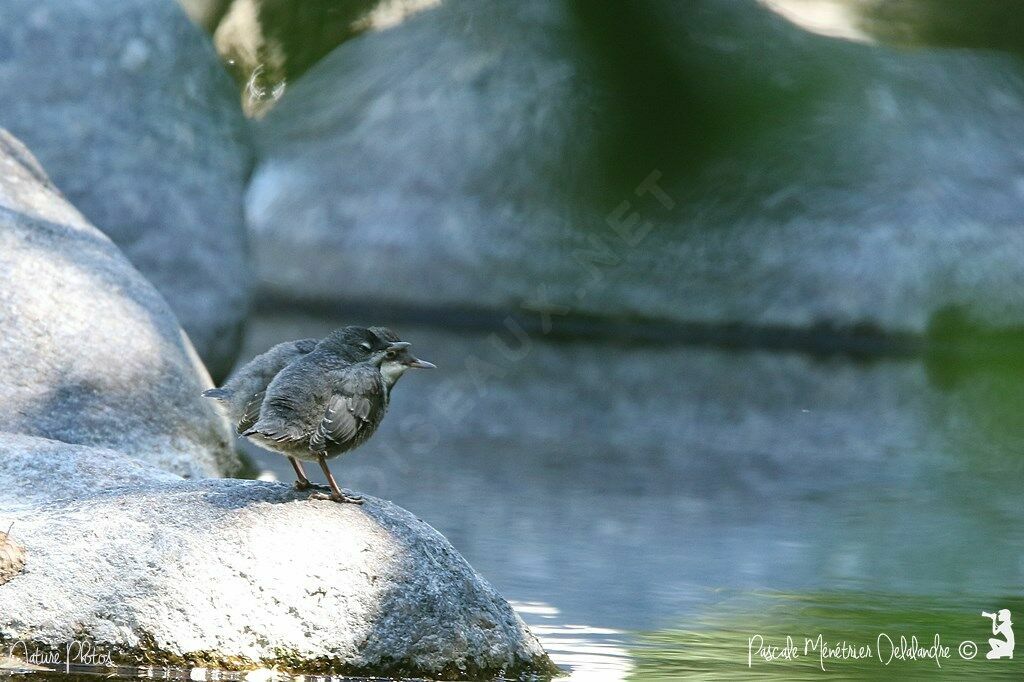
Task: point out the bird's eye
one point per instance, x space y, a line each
390 355
365 346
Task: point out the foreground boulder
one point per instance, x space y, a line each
726 168
90 353
128 109
243 574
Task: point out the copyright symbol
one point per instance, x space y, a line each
968 649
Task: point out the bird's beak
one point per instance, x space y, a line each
421 364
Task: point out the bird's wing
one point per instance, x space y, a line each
357 397
251 412
252 379
284 410
278 419
283 353
280 433
257 374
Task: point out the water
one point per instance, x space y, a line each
650 508
625 497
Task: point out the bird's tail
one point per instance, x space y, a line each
217 393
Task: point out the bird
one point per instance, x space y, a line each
313 400
242 395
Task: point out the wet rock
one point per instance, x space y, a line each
130 112
725 167
90 352
247 573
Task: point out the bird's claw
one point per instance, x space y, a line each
343 498
307 485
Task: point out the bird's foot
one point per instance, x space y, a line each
336 497
308 485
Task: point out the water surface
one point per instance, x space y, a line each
627 497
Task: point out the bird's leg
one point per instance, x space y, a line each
303 482
336 493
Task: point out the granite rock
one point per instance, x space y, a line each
132 115
243 574
91 353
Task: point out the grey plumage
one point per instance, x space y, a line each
326 402
242 395
313 401
313 409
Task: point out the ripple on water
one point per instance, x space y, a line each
585 652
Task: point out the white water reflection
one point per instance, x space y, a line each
586 652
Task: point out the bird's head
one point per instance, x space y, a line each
392 355
360 343
354 344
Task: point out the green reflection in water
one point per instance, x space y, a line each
716 646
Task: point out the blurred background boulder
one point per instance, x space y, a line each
128 109
90 353
705 163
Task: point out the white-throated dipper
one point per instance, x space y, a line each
313 401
